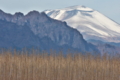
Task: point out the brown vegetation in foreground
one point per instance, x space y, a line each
44 67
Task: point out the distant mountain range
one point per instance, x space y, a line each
90 23
60 30
37 30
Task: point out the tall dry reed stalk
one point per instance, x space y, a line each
50 67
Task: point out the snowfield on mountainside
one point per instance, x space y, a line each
91 23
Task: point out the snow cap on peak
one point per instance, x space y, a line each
77 7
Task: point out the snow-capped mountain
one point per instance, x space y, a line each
91 23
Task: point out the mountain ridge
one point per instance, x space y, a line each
49 33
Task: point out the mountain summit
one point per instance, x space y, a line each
82 8
90 23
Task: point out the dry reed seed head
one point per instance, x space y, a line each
58 67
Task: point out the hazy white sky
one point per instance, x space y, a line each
110 8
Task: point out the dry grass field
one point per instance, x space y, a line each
50 67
